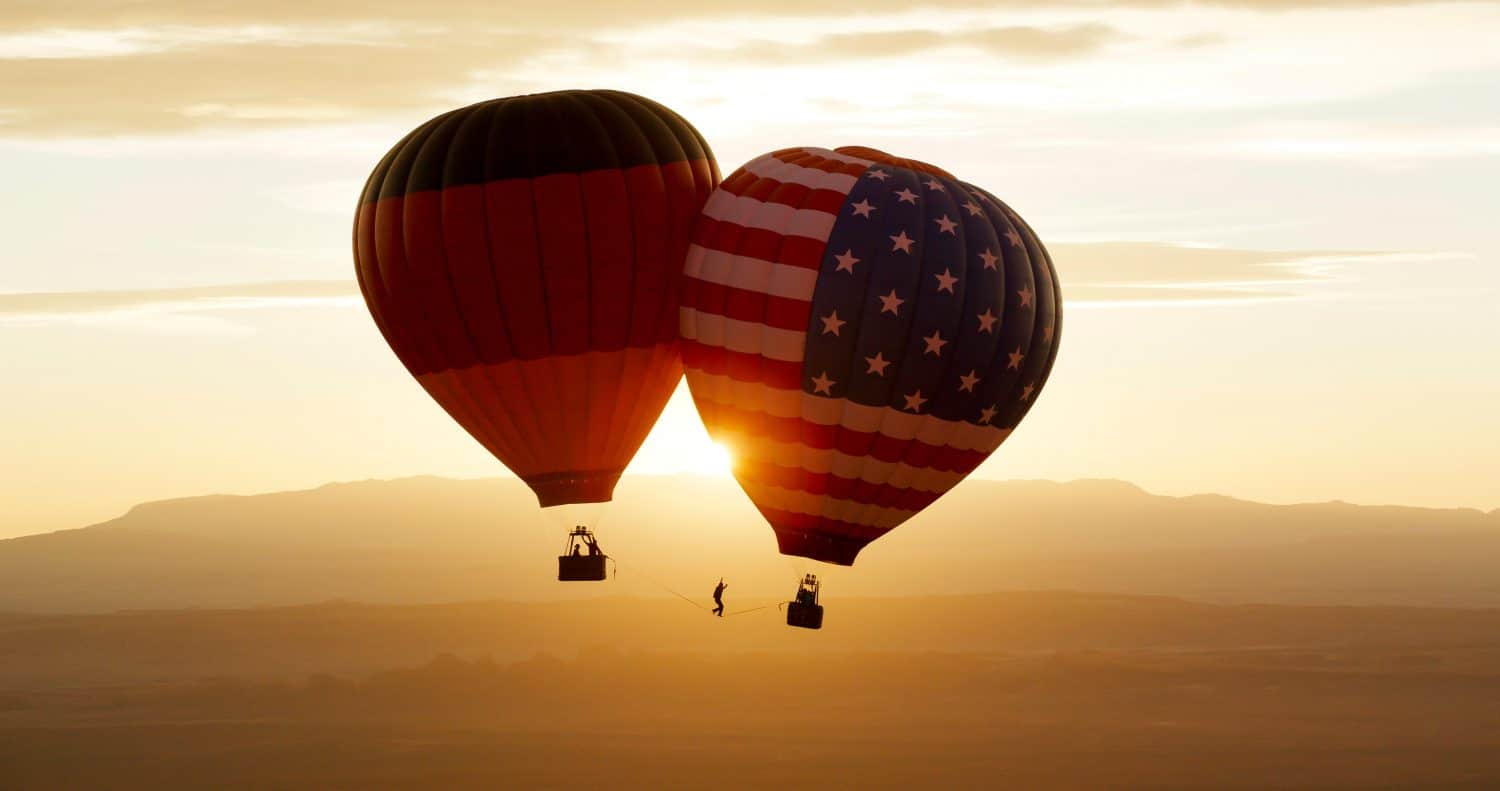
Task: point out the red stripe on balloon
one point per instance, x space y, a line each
796 479
728 237
741 366
851 442
807 159
784 193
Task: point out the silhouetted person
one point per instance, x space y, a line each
575 550
593 546
719 598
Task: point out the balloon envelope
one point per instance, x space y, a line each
522 257
861 331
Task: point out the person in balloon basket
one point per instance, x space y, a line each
593 544
719 597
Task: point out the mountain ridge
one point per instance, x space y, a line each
1109 485
428 539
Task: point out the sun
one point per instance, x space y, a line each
719 459
679 444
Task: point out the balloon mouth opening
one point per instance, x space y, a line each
838 550
876 155
569 488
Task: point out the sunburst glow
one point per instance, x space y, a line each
679 444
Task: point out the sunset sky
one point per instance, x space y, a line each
1275 224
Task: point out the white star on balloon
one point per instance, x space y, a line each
946 281
987 320
935 344
832 324
846 261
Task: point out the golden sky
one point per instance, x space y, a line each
1274 223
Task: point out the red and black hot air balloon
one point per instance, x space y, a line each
862 331
522 256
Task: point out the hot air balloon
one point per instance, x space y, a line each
861 331
522 257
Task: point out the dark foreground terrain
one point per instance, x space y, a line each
1017 690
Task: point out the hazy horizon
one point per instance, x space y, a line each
628 479
427 539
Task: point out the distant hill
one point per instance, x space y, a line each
431 540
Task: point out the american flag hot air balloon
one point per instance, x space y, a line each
862 331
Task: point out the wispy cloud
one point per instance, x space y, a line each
86 14
1330 141
98 68
194 309
87 82
250 84
1144 272
1106 272
1021 41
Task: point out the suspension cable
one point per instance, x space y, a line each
616 567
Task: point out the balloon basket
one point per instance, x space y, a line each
573 565
804 616
580 568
